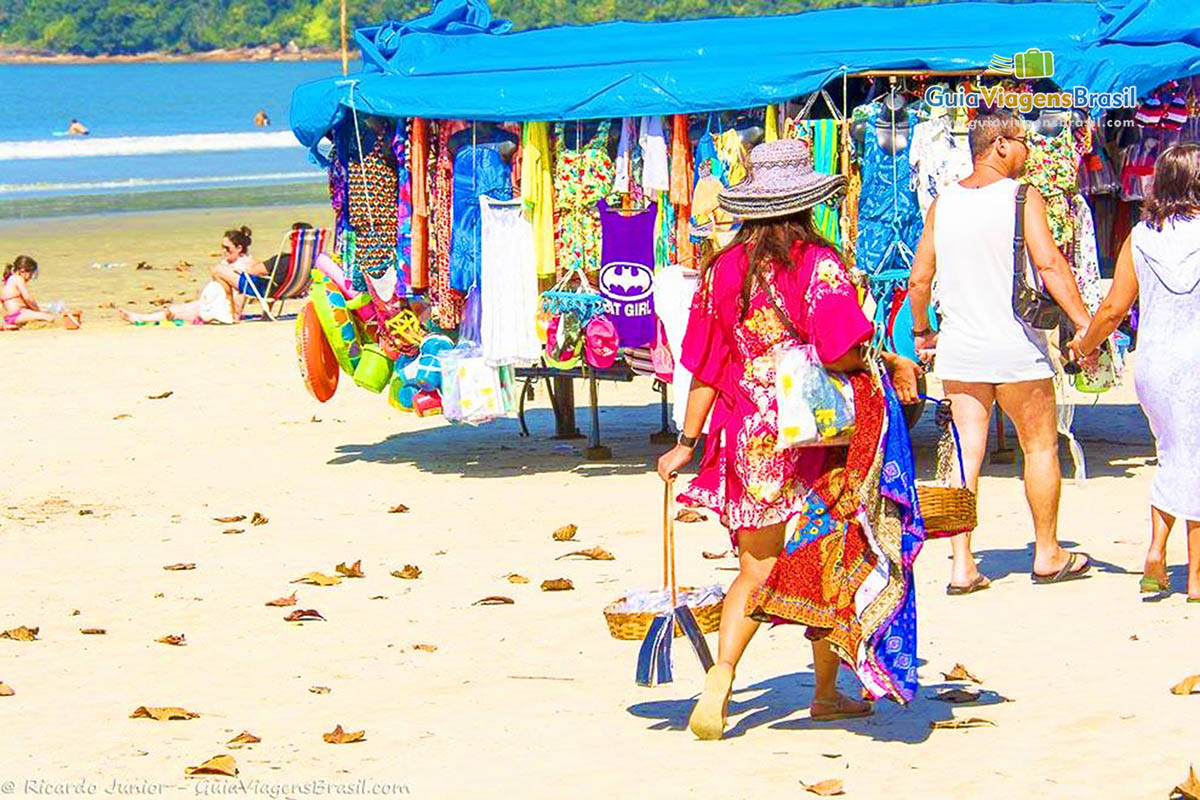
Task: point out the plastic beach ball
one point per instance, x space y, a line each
436 344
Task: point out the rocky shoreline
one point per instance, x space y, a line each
274 52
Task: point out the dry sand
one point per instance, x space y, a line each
525 700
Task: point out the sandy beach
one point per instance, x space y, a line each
103 487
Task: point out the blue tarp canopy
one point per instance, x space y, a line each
458 62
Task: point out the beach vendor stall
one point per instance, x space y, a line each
524 206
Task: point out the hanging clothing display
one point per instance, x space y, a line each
447 303
888 211
508 283
627 274
1101 374
681 186
478 170
372 199
938 158
583 176
403 286
656 171
537 191
418 164
1053 169
823 139
674 289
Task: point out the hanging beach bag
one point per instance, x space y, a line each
1030 303
947 506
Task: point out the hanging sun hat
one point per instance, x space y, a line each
780 181
600 342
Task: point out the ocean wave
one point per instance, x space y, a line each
150 183
90 147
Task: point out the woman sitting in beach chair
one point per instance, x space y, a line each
285 275
213 304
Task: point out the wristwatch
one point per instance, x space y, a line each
922 332
688 441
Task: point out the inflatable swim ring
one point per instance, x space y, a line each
339 326
318 365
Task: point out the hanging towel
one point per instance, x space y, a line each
537 189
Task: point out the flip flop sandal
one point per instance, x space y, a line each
977 585
1155 585
839 714
1067 573
1193 599
707 721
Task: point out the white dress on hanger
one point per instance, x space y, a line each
508 285
938 159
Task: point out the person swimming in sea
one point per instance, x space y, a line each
261 119
77 128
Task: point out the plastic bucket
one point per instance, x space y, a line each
374 369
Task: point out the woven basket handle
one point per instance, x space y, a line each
954 430
669 541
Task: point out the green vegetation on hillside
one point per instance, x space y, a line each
94 27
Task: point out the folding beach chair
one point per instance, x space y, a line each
292 274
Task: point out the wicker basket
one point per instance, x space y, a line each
633 625
947 510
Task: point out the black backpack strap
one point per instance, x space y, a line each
1019 257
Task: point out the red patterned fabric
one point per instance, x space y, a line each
447 303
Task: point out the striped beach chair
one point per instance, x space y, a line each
291 275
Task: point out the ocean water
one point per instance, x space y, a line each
160 134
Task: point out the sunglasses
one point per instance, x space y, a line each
1024 140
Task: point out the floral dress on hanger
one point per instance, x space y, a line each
1053 169
582 178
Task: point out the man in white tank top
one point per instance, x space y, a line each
985 353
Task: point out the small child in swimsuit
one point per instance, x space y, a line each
16 301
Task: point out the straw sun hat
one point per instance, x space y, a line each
780 181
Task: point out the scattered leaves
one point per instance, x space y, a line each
378 597
258 519
242 739
228 520
93 631
1190 788
827 788
960 673
319 689
178 567
515 578
494 600
162 714
162 396
318 579
565 534
75 613
86 512
339 736
593 553
290 600
352 571
557 585
690 515
123 416
398 509
1187 685
217 765
428 648
234 530
176 639
968 722
304 615
957 696
143 265
410 572
21 634
6 690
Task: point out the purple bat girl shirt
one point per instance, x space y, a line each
627 273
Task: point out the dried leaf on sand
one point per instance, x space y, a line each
93 631
6 690
428 648
1189 789
398 509
162 713
410 572
593 553
176 639
960 673
957 696
339 736
21 634
162 396
827 788
242 739
968 722
557 585
690 515
178 567
217 765
565 534
290 600
715 556
319 689
318 579
352 571
258 519
1187 685
494 600
515 578
228 520
234 530
304 615
123 416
